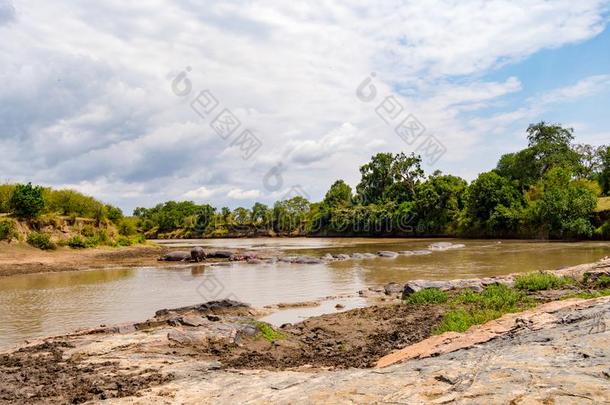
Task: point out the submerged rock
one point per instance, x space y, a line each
307 260
445 246
328 257
386 253
422 252
406 253
342 256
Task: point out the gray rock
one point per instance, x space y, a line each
342 256
192 320
392 288
307 260
421 252
328 257
406 252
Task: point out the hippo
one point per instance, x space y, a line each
197 254
220 254
176 256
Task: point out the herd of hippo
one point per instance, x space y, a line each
198 254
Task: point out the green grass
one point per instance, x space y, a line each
589 294
541 281
603 281
427 296
474 308
603 204
267 332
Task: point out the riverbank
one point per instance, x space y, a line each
23 259
185 354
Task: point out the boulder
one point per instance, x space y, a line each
342 256
307 260
392 288
328 257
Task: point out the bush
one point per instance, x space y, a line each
541 281
497 297
77 242
41 241
123 241
460 320
27 201
7 230
427 296
128 226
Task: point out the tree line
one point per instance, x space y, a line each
549 190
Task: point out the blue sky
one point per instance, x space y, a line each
100 96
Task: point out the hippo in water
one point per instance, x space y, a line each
175 257
197 254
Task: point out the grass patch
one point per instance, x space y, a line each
427 296
268 333
588 294
603 281
541 281
474 308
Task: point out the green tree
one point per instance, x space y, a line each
389 177
339 194
604 174
27 201
491 201
260 214
438 201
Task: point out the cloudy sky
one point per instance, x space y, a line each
233 102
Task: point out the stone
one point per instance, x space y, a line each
392 288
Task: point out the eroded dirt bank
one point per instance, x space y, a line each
23 259
215 353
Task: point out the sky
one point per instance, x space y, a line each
228 103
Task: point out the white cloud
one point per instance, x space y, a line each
239 194
86 97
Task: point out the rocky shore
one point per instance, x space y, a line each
219 352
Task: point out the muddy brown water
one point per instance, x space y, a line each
37 305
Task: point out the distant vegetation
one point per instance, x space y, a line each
549 190
47 218
552 189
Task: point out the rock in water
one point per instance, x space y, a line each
392 288
386 253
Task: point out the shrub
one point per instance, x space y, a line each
77 242
7 230
541 281
123 241
27 201
41 241
128 226
427 296
497 297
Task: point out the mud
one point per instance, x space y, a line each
356 338
43 373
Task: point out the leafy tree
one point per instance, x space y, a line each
260 214
389 177
439 200
290 215
340 193
27 201
604 174
241 215
551 146
564 208
491 196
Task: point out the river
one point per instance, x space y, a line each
37 305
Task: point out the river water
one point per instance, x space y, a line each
37 305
